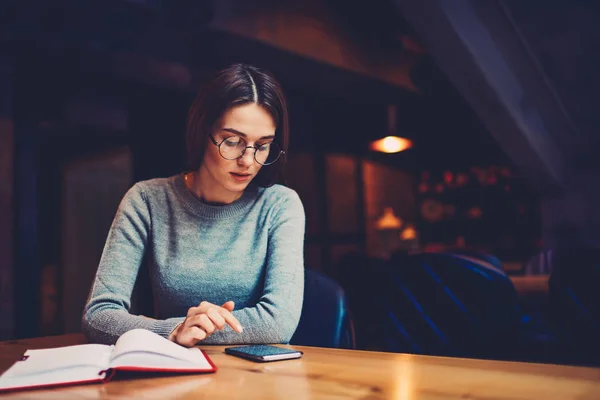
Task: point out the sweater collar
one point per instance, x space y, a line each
203 209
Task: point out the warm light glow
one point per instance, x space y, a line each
406 384
391 144
409 233
388 220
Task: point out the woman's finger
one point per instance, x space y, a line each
229 305
216 318
193 311
191 335
231 320
202 321
205 306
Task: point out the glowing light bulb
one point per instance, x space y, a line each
391 144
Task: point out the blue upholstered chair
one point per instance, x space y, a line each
325 320
480 256
445 304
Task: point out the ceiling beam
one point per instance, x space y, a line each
483 57
312 30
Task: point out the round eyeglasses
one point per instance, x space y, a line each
234 147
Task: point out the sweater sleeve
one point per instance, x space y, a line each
275 317
106 314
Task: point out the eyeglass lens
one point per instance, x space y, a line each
234 147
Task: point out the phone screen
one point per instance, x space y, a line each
263 352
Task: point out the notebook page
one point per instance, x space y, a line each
63 364
159 362
140 347
37 361
61 376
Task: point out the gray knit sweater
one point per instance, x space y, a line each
250 251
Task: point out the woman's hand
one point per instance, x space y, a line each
202 321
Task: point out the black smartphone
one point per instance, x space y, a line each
263 352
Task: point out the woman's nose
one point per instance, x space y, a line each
247 158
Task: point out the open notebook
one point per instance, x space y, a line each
136 350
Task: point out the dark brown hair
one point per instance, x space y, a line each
233 86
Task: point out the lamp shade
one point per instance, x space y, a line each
388 220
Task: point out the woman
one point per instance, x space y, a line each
224 244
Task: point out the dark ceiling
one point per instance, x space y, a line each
529 70
378 25
446 131
564 38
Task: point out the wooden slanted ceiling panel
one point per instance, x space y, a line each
312 30
479 51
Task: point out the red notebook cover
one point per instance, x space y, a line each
136 351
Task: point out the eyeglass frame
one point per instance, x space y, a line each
218 144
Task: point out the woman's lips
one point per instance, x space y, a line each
240 177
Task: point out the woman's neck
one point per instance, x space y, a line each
202 186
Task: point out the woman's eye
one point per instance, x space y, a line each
232 142
265 147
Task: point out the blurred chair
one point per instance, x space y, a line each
478 256
325 320
445 304
575 302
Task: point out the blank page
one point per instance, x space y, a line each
61 376
59 365
160 362
142 348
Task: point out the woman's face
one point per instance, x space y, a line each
255 126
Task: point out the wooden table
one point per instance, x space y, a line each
333 374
